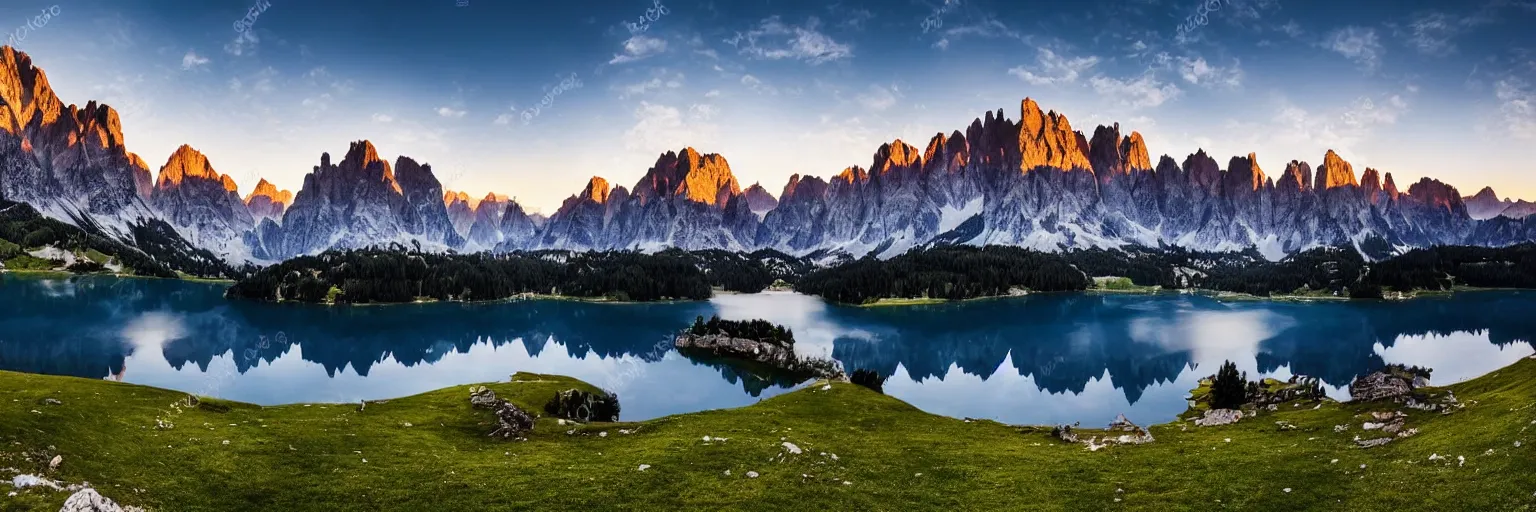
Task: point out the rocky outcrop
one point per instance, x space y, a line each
575 404
1485 204
779 357
202 204
1394 382
1218 417
485 232
267 202
512 421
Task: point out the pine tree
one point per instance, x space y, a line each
1227 390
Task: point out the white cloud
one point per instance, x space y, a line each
1341 129
1146 91
879 97
1199 72
660 127
775 40
639 47
1517 102
713 93
382 118
757 85
1293 29
1358 44
192 60
244 43
450 112
1054 69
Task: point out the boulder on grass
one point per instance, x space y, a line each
575 404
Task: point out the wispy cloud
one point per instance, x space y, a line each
1054 69
639 47
775 40
193 60
1517 102
879 97
1359 44
382 118
1144 91
450 112
756 85
1199 72
659 127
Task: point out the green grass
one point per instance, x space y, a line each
893 456
903 302
30 262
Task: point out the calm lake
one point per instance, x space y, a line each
1051 358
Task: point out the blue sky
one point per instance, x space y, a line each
1438 88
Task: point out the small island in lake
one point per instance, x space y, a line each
755 346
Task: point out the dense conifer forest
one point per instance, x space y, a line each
756 330
957 272
380 275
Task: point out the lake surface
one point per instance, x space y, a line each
1050 358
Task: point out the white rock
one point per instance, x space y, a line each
834 456
826 387
751 474
1228 439
226 442
644 467
1287 489
602 434
88 500
791 448
1435 456
54 464
727 472
25 481
1461 461
1334 461
845 482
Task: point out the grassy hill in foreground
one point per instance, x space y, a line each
860 451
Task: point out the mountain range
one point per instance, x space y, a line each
1033 182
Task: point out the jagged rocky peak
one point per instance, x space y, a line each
186 164
803 188
362 158
759 200
1243 175
1434 193
1335 172
266 201
895 156
1134 151
452 196
1167 168
1114 155
1485 204
1390 187
1370 184
851 176
1047 140
1297 177
596 191
690 175
1202 171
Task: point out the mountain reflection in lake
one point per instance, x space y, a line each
1053 358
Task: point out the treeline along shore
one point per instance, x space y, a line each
396 274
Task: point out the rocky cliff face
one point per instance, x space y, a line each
360 202
203 204
267 202
461 211
67 161
759 200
